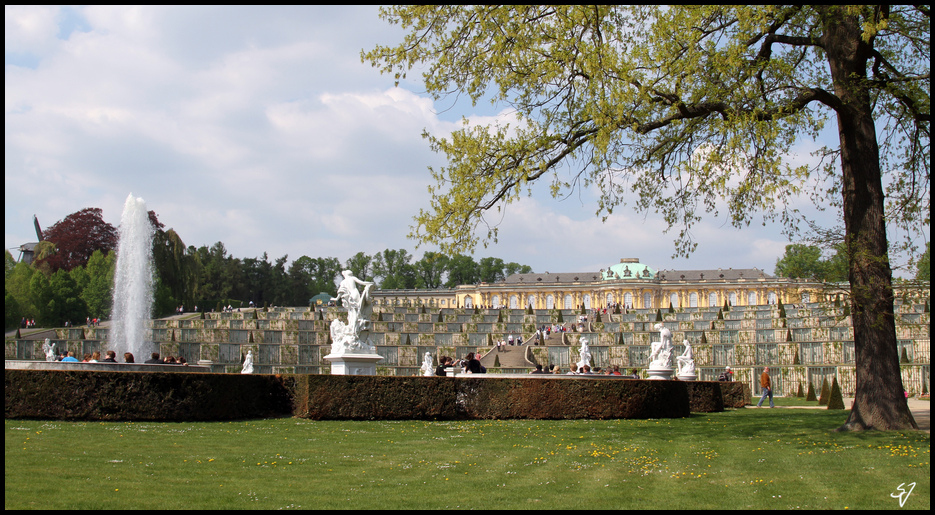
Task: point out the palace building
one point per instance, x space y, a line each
636 285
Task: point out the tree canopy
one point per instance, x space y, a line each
684 111
76 237
676 109
805 262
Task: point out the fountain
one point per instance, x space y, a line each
133 281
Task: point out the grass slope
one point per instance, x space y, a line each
741 459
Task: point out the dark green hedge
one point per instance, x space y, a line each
80 395
363 397
704 396
375 397
736 394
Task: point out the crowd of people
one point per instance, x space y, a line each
111 357
586 370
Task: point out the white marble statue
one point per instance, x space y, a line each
686 362
353 337
661 355
248 363
428 369
585 353
49 349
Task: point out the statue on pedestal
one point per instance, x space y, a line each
585 353
686 362
428 369
661 355
49 350
352 337
248 363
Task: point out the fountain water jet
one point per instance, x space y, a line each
133 282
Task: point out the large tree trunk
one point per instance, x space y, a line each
880 402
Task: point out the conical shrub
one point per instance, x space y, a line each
811 393
496 361
836 401
799 392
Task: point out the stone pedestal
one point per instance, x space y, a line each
354 364
687 377
664 373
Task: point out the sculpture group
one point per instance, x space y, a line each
351 350
660 358
354 336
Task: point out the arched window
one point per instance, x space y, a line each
647 300
531 301
805 297
610 299
468 301
771 297
514 302
693 300
495 301
674 300
587 301
751 298
549 301
628 300
567 303
732 298
712 299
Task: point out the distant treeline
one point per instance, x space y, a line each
71 277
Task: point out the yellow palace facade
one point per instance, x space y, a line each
633 284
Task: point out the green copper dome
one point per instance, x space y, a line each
629 268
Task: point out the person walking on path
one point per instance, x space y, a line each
767 388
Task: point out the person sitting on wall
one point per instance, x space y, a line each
538 370
726 375
128 357
111 357
440 369
471 365
154 360
70 358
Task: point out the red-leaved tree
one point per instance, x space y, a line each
76 237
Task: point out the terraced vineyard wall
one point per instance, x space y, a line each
810 343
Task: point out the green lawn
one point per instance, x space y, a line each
748 458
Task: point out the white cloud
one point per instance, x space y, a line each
30 29
259 127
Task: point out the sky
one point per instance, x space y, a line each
259 127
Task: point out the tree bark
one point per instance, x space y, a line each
880 402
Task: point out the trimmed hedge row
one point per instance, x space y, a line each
736 394
80 395
374 397
86 395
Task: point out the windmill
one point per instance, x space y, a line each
27 251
